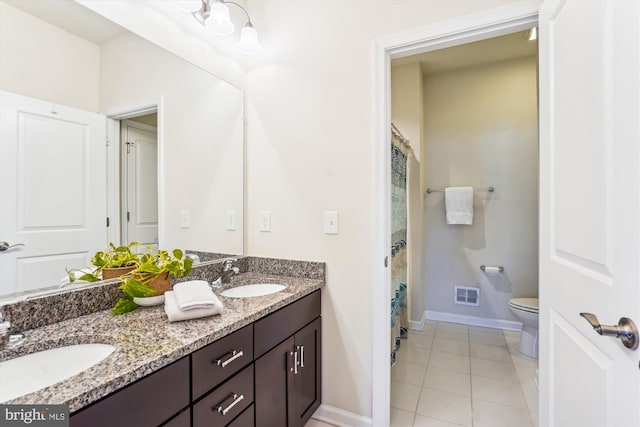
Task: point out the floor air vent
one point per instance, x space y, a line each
466 295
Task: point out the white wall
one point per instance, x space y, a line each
311 148
406 103
42 61
481 130
202 145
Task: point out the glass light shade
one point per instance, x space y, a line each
219 20
187 5
248 43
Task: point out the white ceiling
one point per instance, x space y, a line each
72 17
487 51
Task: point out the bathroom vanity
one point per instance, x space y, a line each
258 363
214 386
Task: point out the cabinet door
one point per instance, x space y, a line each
307 382
273 384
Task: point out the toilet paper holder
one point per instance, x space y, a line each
492 268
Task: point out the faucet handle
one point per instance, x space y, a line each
227 264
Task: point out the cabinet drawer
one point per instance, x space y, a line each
278 326
245 419
239 389
147 402
181 420
216 362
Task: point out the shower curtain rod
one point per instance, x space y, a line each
489 189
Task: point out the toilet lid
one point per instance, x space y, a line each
525 304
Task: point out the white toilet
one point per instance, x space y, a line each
526 311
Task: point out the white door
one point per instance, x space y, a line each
141 182
52 190
589 210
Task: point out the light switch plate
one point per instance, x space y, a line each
265 220
331 222
185 219
231 220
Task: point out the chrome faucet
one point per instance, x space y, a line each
228 270
6 336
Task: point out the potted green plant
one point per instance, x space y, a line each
111 263
151 277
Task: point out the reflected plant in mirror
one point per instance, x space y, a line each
157 112
114 262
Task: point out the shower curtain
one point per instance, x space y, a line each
399 318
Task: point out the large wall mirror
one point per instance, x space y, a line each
100 126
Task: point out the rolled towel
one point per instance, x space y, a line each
194 294
176 315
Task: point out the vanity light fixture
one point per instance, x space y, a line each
214 14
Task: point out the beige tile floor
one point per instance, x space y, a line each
457 375
452 375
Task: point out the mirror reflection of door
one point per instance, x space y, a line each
140 180
52 190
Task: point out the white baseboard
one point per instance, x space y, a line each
508 325
418 325
340 417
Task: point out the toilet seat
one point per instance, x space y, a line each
530 305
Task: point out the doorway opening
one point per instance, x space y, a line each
133 177
452 33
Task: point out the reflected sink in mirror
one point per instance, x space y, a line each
249 291
32 372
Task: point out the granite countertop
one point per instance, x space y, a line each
145 341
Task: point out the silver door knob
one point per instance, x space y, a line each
626 330
6 246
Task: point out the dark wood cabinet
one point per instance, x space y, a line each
221 406
273 378
148 402
288 377
265 374
218 361
307 382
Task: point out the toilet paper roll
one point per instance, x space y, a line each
492 270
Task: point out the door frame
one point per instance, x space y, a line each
493 23
114 117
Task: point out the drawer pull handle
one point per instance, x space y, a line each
236 399
233 356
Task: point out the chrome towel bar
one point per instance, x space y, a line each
489 189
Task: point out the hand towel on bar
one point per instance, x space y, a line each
176 315
194 294
459 205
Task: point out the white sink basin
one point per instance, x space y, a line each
248 291
34 371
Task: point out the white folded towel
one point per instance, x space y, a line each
459 205
194 294
176 315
